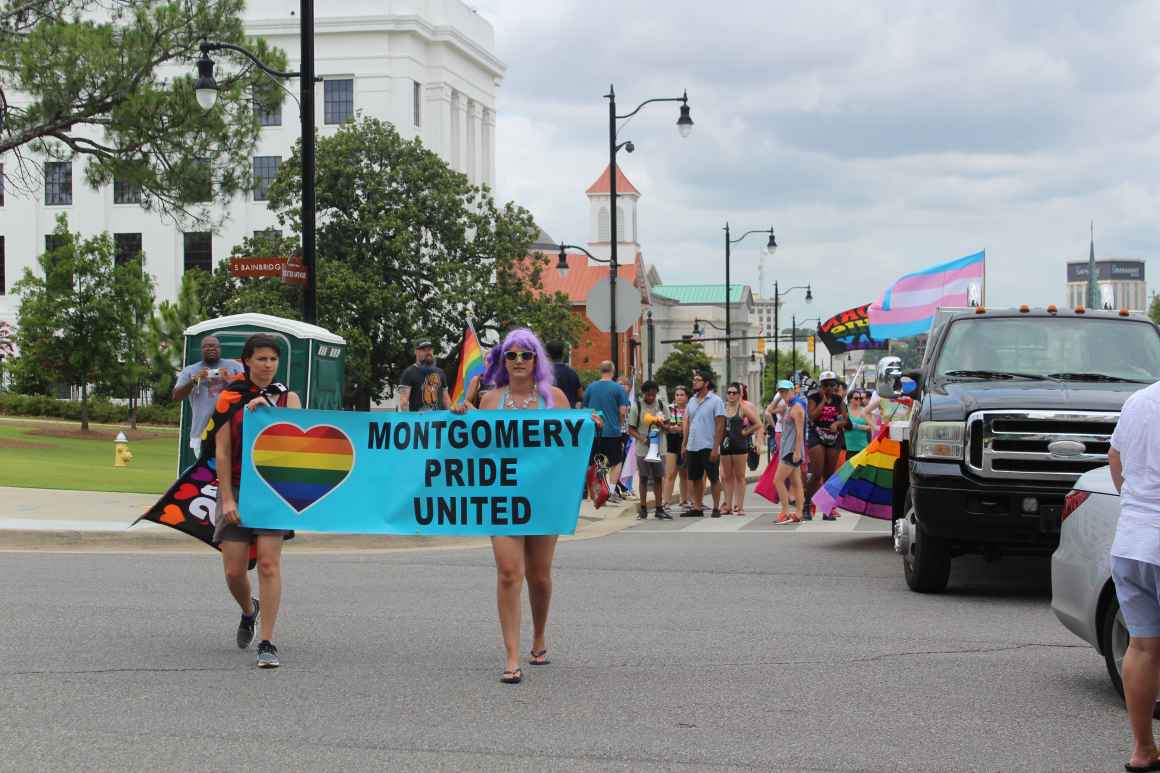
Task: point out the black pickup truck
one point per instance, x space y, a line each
1013 406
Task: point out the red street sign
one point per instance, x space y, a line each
289 270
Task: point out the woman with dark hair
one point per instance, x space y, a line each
741 422
521 376
260 360
674 459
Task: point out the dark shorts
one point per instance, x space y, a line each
235 533
733 452
654 471
788 459
701 465
612 448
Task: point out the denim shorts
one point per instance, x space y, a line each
1138 591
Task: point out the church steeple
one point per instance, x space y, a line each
599 203
1093 285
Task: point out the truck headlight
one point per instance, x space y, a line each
939 440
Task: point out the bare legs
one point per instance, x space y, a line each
672 472
1141 671
517 558
236 559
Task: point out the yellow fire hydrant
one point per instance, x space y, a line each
121 453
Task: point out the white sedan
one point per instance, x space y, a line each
1082 594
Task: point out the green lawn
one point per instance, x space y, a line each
31 458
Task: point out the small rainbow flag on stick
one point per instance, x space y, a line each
470 364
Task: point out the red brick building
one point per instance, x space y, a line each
595 345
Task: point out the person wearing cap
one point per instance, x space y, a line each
792 452
423 386
828 420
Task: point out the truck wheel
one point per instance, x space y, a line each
1114 640
927 560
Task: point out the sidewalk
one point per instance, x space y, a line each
47 519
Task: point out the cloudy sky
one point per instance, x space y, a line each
876 137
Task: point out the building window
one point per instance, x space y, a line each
602 227
273 234
2 285
201 180
338 100
128 247
268 115
52 242
125 192
199 251
265 169
58 183
417 100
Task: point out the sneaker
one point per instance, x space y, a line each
267 655
246 627
693 514
829 517
663 514
716 513
642 514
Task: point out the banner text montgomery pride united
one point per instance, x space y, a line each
480 434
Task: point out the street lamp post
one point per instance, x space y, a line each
776 324
652 347
770 248
685 127
817 322
206 91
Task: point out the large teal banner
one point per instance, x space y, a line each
486 473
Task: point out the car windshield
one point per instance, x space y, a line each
1064 348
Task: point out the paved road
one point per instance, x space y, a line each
683 646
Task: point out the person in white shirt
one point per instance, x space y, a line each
1135 560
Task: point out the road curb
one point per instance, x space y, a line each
158 540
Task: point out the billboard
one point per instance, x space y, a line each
1107 271
849 331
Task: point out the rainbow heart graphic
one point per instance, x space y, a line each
301 466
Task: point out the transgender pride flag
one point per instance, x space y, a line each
908 306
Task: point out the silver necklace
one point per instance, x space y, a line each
511 402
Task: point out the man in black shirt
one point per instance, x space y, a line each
566 378
423 387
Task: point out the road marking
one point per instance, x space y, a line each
724 523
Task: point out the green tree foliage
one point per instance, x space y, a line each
1154 308
80 321
677 369
165 334
92 77
408 248
7 349
788 361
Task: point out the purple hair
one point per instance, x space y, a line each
542 375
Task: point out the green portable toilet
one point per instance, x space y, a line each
312 360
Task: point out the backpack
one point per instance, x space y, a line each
660 402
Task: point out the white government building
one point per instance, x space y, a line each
427 66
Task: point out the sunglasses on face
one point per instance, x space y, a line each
511 356
730 391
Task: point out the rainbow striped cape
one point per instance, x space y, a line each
865 483
470 364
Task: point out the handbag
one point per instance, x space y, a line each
753 459
596 480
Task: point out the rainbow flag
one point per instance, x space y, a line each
470 364
908 306
864 484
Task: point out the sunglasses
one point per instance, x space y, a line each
730 391
511 356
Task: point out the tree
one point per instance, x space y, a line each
792 361
408 248
677 369
1154 308
165 334
223 294
7 348
75 323
134 307
113 83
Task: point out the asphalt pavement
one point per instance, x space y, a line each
697 644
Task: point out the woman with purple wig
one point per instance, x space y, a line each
519 373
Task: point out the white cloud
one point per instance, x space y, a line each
876 137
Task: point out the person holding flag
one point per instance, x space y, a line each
469 380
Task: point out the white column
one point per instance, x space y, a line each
436 117
488 167
472 162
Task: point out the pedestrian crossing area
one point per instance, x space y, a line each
756 520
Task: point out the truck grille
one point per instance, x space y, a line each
1014 444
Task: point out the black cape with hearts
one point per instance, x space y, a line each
190 504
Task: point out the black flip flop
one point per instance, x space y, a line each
539 658
512 677
1154 765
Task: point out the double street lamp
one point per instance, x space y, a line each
685 127
770 248
777 294
206 89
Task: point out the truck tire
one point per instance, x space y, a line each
1114 640
927 562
